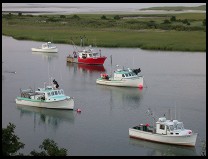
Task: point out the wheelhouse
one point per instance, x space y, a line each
119 74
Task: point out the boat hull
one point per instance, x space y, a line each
61 104
185 140
133 82
88 61
50 50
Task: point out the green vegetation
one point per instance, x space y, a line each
50 149
10 142
177 32
11 145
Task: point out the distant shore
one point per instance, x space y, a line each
110 30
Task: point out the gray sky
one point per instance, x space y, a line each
87 7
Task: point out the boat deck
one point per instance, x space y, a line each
145 128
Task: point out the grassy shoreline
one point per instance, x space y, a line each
108 32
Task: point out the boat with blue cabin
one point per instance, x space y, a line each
50 96
123 78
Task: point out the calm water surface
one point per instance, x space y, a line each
173 80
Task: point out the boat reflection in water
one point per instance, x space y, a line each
157 149
86 68
91 68
50 117
48 57
123 97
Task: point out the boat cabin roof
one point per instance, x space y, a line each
121 71
163 120
90 51
48 44
47 89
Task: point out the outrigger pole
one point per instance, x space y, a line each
111 64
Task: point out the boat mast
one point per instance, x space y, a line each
111 64
150 113
74 46
175 111
82 41
169 114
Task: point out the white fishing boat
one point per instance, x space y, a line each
123 78
48 97
46 47
165 131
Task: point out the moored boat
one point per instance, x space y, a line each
48 97
123 78
165 131
46 47
87 56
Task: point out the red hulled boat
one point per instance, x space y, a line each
87 56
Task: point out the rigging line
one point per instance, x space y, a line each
48 73
175 111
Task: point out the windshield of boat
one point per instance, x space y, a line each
56 92
171 127
179 126
128 74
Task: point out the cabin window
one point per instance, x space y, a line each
52 93
84 55
171 127
123 75
49 94
90 55
179 126
56 93
162 127
59 92
177 133
126 75
129 74
94 54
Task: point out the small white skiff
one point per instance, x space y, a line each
46 47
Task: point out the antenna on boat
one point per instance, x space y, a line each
74 46
149 112
175 111
169 114
82 40
179 116
95 42
111 60
133 62
111 64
